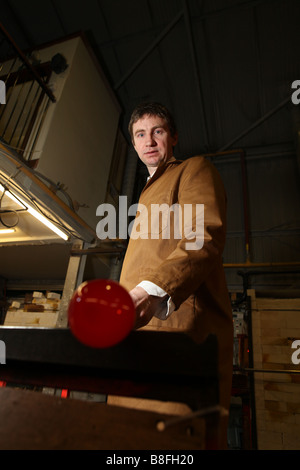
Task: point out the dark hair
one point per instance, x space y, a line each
152 109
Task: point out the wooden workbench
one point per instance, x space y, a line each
151 365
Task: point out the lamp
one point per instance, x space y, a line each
5 231
35 214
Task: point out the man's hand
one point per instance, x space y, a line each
145 306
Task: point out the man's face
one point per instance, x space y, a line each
153 141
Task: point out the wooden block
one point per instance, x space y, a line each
268 440
292 319
277 377
287 387
290 333
270 331
277 304
293 408
277 341
33 308
281 396
271 405
33 319
269 324
291 441
272 315
295 378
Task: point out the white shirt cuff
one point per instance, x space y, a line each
167 306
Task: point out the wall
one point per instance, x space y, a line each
77 143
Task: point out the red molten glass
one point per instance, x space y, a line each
101 313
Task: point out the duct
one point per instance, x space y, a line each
245 276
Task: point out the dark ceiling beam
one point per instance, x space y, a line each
107 31
148 51
20 24
256 39
223 11
193 55
59 18
233 8
256 123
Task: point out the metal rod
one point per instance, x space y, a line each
28 115
257 123
27 63
271 371
261 265
14 107
141 59
187 18
20 116
9 92
246 205
30 151
162 425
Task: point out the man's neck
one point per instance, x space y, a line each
151 170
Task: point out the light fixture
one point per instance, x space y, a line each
4 231
35 214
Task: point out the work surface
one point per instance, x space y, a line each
152 365
35 421
165 366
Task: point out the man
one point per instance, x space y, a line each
174 285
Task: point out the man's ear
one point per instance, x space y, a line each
175 139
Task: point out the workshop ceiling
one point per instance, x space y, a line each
224 67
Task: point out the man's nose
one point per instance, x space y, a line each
150 140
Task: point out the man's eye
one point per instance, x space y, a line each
158 131
140 134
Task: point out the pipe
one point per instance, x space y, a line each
272 371
261 265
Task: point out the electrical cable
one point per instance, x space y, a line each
7 212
